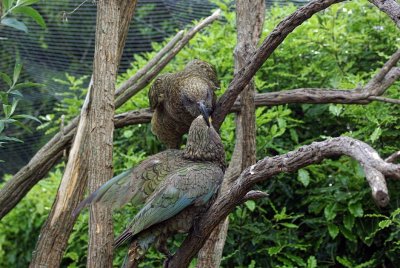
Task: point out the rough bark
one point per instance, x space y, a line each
374 167
20 184
99 138
249 24
57 228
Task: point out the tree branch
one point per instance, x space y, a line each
274 39
393 157
374 167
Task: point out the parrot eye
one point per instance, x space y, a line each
187 100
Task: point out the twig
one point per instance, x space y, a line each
374 167
383 99
393 157
150 64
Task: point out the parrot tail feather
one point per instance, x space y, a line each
83 204
124 237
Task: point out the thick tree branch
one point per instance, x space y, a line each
374 167
390 7
393 157
274 39
20 184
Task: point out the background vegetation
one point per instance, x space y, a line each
322 216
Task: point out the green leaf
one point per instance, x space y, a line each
384 224
330 211
345 262
348 234
23 126
333 230
17 69
14 105
6 110
251 205
1 126
293 135
27 2
274 250
348 221
7 4
304 177
376 134
356 209
335 109
27 116
311 262
31 12
289 225
6 138
16 24
6 79
128 133
27 85
16 93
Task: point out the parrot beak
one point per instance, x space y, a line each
204 112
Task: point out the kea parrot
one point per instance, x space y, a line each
174 96
175 187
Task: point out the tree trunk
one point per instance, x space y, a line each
57 228
101 126
249 22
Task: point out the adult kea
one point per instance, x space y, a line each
174 98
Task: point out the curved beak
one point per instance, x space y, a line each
204 111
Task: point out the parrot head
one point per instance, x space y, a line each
203 142
196 90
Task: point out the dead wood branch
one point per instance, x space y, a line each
374 167
40 164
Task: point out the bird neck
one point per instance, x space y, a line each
204 144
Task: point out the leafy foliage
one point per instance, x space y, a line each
322 216
9 99
12 8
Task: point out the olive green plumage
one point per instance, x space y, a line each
187 188
136 184
174 98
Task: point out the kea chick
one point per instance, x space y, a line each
182 196
174 98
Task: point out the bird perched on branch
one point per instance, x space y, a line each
174 185
174 96
183 194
